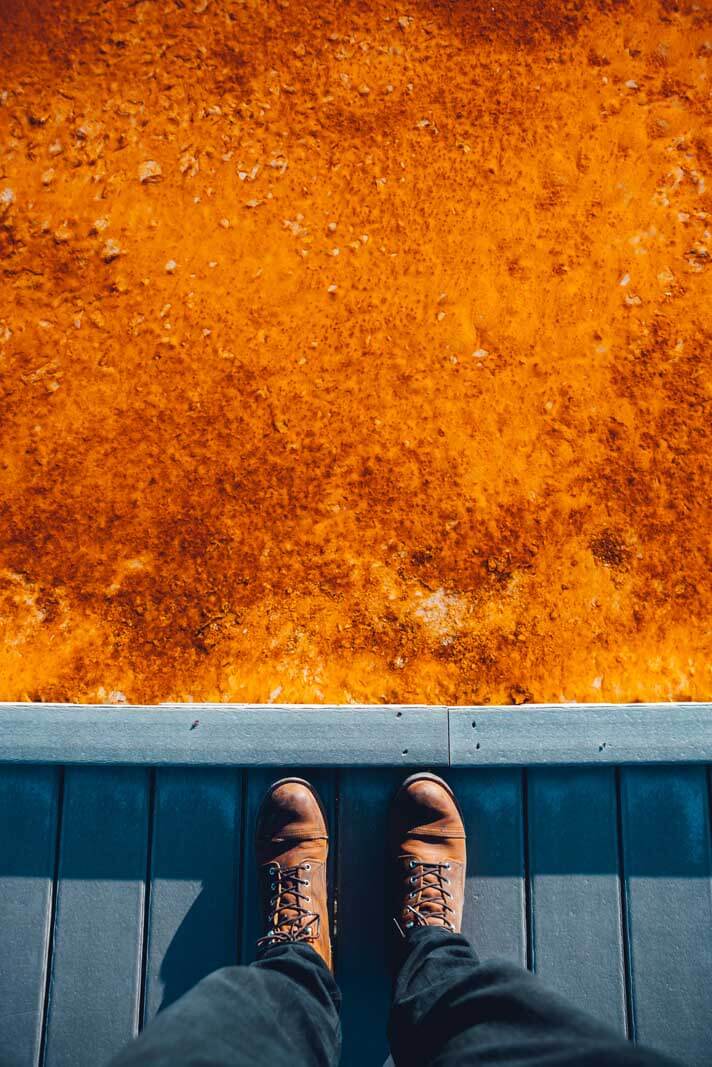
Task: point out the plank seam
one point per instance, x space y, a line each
336 864
709 800
240 903
52 917
146 933
625 917
449 740
526 848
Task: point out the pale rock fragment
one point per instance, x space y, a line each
112 250
150 171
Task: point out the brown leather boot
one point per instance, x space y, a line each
292 843
428 858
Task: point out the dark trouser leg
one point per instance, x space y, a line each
282 1011
449 1009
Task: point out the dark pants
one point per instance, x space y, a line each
448 1008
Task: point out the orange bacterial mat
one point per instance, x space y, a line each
355 351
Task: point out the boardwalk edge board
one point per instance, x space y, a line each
245 735
385 735
563 734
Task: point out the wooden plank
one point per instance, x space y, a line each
494 919
195 880
246 735
575 890
580 734
94 993
667 869
258 782
361 970
28 842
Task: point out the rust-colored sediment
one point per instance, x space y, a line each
355 351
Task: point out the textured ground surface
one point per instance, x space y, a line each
355 351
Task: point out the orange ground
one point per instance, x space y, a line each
355 351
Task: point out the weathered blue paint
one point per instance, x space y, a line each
188 853
238 735
28 838
565 734
361 967
668 889
577 933
495 902
95 987
389 735
195 880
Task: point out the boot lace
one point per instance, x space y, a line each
288 918
426 903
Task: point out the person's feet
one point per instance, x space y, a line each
292 844
427 855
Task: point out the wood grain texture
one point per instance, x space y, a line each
667 871
580 734
195 880
494 918
224 735
28 840
95 987
577 930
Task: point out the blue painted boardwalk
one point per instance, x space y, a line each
120 886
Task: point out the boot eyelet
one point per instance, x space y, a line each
273 870
307 866
307 900
411 864
447 866
273 885
413 880
308 931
